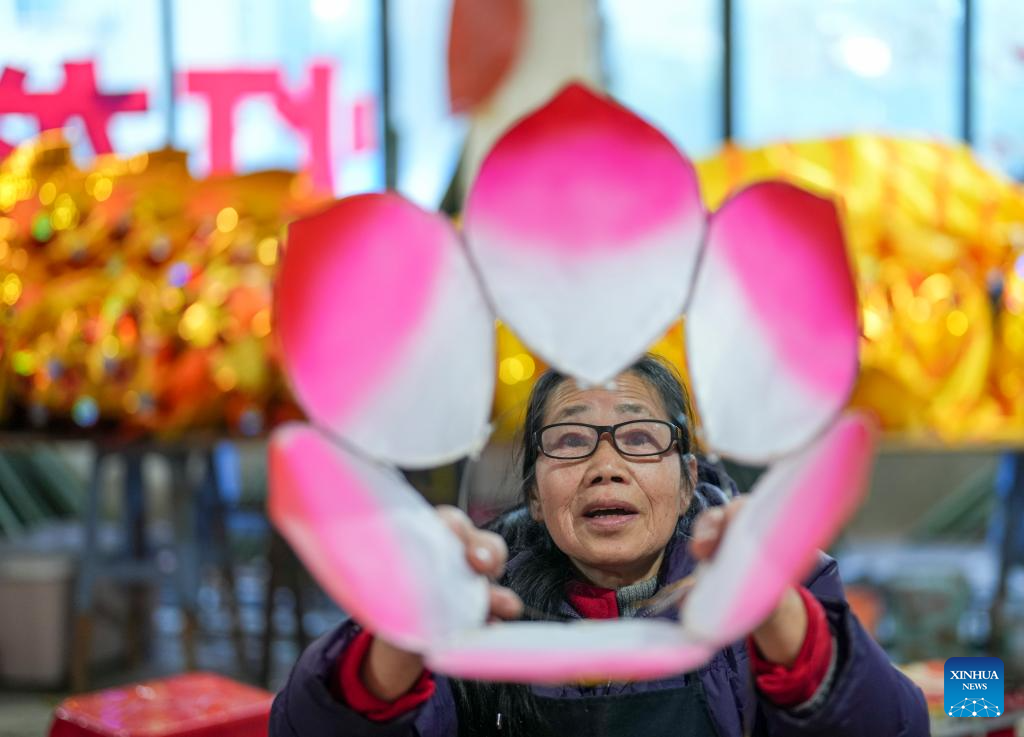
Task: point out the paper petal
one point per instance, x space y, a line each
548 652
771 333
373 543
485 41
585 222
384 332
794 510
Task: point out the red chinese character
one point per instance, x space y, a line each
307 111
78 97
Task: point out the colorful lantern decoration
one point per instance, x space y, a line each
136 299
589 304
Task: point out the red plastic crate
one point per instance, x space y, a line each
190 705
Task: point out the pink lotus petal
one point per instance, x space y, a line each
371 541
772 332
376 303
794 510
546 652
585 222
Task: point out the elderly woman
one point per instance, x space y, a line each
616 506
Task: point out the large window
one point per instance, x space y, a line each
285 39
663 59
801 68
293 36
999 83
809 68
122 39
429 137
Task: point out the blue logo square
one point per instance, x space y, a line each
973 687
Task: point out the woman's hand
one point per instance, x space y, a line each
388 671
781 635
486 553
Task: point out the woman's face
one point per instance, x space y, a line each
610 549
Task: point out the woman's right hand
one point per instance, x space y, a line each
388 671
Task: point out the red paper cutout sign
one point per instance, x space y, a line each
306 110
78 97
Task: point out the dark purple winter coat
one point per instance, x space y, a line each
868 696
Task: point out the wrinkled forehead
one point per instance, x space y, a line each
628 396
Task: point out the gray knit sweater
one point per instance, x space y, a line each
630 597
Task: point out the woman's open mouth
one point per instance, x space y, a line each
609 517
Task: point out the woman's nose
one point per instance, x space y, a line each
606 465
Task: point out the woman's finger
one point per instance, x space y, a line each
486 552
505 603
710 526
707 531
457 521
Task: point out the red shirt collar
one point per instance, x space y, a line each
592 602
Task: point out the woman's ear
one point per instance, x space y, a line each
687 481
691 468
535 510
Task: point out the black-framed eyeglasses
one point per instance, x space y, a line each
635 438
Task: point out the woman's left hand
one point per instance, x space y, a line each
781 635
